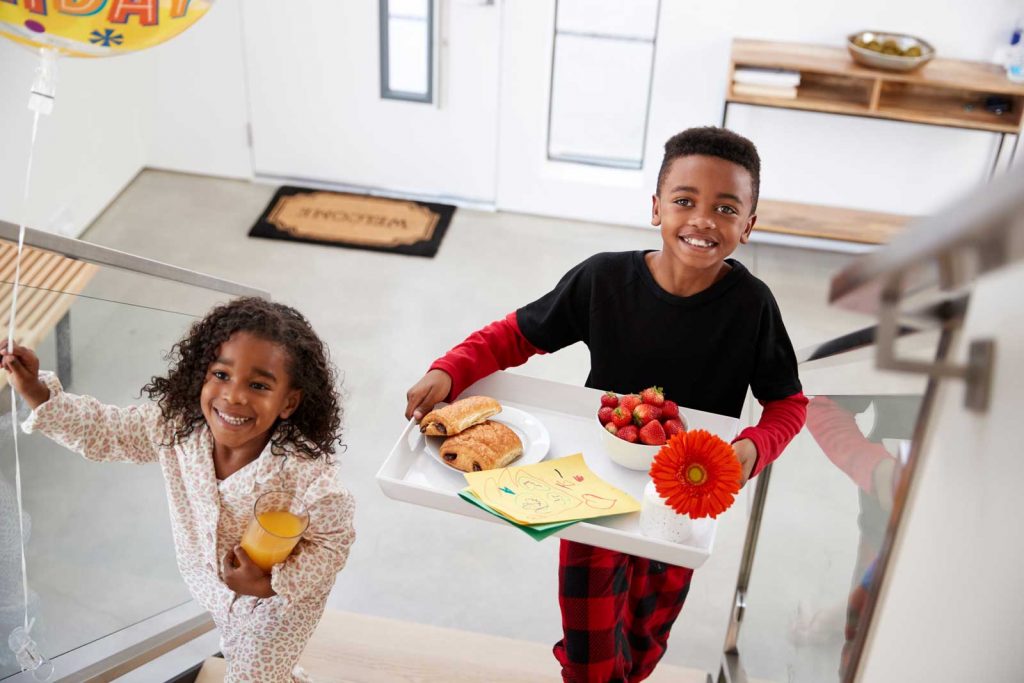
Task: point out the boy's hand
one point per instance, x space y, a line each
243 576
428 392
22 366
746 453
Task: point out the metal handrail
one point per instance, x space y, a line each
105 256
926 318
964 240
843 344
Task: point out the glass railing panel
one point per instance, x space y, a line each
99 549
44 269
827 511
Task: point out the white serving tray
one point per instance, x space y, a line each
570 413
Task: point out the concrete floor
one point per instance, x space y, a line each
101 558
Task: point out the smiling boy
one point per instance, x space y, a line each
687 318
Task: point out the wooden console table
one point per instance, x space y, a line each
944 92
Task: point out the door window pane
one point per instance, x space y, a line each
406 49
625 19
601 81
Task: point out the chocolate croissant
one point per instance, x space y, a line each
485 446
459 416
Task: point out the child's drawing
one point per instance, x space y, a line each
550 491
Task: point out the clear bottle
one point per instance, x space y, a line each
1015 57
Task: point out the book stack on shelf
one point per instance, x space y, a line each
761 82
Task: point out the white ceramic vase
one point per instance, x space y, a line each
658 520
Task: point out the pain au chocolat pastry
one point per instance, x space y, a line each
486 446
459 416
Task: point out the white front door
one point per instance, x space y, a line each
321 110
591 90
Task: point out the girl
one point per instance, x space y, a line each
248 406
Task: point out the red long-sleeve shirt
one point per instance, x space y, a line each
502 345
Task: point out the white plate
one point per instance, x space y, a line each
530 430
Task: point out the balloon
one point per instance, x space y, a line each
97 28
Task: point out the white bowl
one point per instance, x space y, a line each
635 456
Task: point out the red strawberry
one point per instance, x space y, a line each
612 429
628 433
652 434
644 413
628 402
669 410
605 415
610 400
673 426
620 417
654 396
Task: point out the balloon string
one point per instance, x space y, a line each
10 347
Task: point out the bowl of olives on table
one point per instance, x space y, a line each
893 51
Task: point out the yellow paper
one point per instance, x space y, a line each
550 491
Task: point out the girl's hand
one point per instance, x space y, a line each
425 394
22 366
243 576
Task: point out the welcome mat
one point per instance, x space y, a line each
355 221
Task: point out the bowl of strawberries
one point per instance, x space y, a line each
635 426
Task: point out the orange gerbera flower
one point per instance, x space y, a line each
697 473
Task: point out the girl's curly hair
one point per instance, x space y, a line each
315 426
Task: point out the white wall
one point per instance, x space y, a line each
200 116
180 105
951 609
88 149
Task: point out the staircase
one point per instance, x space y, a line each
355 648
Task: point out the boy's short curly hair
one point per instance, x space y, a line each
714 142
315 426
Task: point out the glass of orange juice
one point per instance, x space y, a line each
278 522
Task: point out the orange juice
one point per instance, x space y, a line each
271 537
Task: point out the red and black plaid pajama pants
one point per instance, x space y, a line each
617 611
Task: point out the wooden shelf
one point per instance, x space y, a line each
952 73
944 106
820 92
944 92
828 222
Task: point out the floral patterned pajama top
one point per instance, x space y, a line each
261 637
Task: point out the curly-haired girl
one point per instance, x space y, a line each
248 406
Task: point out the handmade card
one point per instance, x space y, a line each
537 532
550 491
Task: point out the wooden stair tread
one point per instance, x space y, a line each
213 671
357 648
828 222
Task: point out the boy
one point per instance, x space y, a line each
686 318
